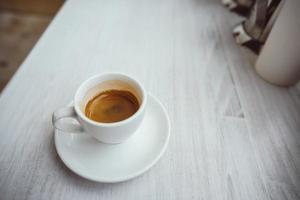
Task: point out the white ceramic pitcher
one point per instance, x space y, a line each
279 60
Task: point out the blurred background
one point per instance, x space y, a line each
21 25
22 22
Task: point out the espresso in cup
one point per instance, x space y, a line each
112 106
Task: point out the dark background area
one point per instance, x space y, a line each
21 25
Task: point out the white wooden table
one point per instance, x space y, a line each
234 136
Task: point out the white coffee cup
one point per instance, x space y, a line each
113 133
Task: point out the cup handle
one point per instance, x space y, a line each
63 113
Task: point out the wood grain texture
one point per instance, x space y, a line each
234 136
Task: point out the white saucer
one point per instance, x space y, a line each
101 162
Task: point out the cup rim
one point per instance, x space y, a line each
113 124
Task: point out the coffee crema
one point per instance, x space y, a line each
111 106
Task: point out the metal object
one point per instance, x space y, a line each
262 14
242 7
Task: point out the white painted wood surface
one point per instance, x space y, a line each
234 136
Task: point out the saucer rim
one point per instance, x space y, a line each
131 175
